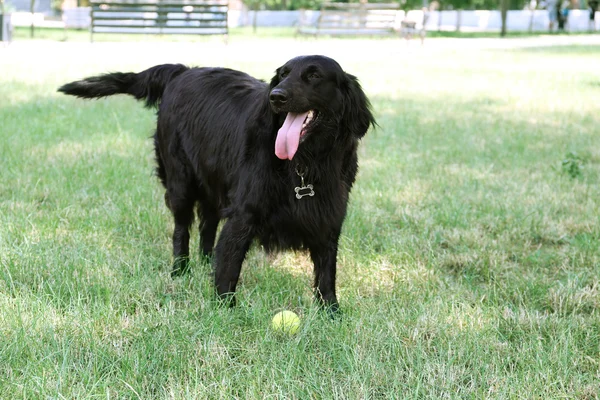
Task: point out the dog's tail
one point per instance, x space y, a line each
147 85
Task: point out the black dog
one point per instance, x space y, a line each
277 160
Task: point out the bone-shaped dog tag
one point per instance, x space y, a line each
304 191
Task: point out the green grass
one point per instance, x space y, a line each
83 35
468 268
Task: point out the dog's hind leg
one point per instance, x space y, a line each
183 214
209 221
180 199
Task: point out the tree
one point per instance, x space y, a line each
32 10
503 13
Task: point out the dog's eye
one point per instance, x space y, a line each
283 74
313 75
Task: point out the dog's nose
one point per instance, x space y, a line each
278 96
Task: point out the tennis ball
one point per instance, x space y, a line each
286 322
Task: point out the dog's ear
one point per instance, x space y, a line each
357 109
275 80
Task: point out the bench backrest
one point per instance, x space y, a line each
351 19
358 15
208 17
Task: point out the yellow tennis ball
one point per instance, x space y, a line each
286 322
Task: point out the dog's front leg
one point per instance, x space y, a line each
234 242
324 258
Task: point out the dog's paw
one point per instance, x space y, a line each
181 266
226 300
333 311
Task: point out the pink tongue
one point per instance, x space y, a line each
288 136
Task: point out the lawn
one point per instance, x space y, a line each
469 264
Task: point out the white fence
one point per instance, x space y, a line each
516 20
466 21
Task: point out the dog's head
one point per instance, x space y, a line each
317 97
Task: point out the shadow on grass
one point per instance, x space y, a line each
579 49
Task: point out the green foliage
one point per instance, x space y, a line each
284 4
572 165
56 4
405 4
480 4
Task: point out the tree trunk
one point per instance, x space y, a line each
255 16
32 9
503 14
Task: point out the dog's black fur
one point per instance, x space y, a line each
215 142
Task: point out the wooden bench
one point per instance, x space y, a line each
197 17
352 19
